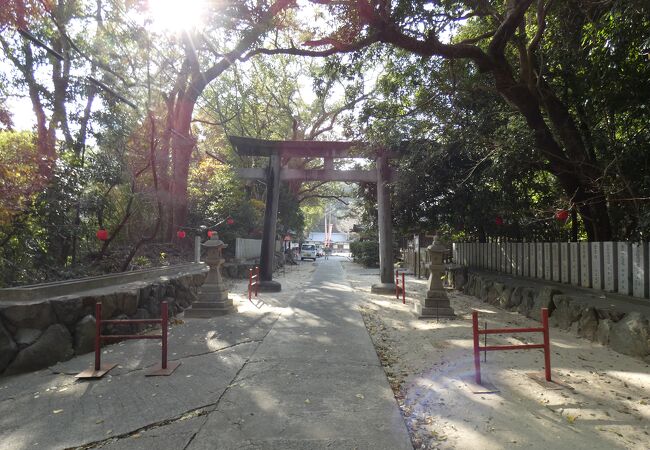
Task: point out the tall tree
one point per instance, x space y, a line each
507 46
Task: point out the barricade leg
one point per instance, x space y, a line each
257 280
477 355
165 318
547 345
99 369
98 336
403 290
166 368
250 280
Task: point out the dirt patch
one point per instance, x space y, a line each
606 404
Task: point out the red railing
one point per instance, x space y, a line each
253 281
543 329
100 370
397 286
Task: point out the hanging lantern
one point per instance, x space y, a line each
230 221
180 234
102 234
498 220
562 215
210 233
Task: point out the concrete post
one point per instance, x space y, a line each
213 296
270 222
386 268
197 249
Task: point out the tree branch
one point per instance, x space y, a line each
514 15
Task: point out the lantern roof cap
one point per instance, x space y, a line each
214 241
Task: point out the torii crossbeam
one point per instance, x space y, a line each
279 151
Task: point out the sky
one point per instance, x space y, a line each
165 15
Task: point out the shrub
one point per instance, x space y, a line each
365 253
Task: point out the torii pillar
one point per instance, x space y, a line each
386 267
267 284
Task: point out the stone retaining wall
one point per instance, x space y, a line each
625 327
37 333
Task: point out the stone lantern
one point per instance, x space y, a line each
436 304
213 297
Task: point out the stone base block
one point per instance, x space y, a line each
269 286
213 297
436 305
383 288
210 309
433 312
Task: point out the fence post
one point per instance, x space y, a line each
640 269
539 254
477 356
610 266
597 266
585 264
555 261
564 263
624 250
574 263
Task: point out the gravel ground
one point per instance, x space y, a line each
604 404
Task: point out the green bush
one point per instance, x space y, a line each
365 253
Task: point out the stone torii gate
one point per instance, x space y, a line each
279 153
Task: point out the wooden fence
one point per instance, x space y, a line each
416 258
620 267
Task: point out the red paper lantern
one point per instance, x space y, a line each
562 215
180 234
210 233
102 234
498 220
230 221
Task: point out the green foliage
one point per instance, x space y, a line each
215 193
18 174
365 253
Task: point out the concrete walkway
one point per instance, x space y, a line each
299 373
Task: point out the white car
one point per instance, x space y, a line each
308 251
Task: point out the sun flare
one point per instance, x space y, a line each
176 16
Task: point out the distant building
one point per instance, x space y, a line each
340 241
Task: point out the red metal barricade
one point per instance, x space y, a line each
99 370
253 282
543 329
397 286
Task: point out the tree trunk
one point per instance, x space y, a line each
575 177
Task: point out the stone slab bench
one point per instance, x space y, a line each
619 321
47 323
